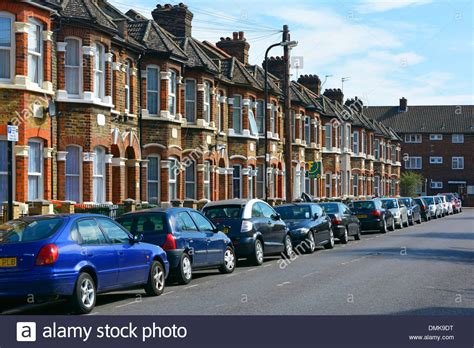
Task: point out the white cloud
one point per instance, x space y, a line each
369 6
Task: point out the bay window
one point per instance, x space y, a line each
328 137
237 181
307 134
260 184
316 132
260 117
128 71
72 67
99 71
237 114
172 86
207 179
35 169
73 173
207 102
355 185
153 180
35 52
355 143
98 175
273 119
377 149
7 47
172 180
153 90
250 182
190 100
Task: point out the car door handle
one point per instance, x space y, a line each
86 253
190 241
269 222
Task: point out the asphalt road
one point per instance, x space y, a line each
425 269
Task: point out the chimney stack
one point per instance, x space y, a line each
312 82
403 105
276 66
237 46
335 94
176 19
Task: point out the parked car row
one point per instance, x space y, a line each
81 255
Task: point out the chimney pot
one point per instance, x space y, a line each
403 107
175 19
241 35
236 46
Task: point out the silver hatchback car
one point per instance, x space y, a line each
398 209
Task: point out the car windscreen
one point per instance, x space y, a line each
23 231
429 200
146 224
296 212
363 205
330 208
224 212
406 201
390 204
449 197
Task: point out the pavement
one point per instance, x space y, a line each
424 269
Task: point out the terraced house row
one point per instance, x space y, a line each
114 106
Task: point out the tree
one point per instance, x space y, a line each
409 182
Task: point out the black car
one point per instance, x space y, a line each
255 228
424 208
414 211
344 223
190 240
308 224
373 216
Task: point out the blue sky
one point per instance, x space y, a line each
418 49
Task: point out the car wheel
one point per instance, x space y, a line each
330 243
419 220
392 226
309 244
357 235
345 238
289 252
156 279
411 221
84 297
407 223
383 229
257 257
229 261
184 273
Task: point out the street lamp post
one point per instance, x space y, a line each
290 44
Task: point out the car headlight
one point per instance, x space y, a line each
302 230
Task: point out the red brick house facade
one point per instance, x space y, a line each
145 111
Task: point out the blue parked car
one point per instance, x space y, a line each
76 256
190 240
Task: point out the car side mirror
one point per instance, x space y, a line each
276 216
315 216
137 238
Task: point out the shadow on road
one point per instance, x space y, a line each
443 235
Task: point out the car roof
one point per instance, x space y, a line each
295 204
158 210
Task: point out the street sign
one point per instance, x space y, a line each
12 133
314 169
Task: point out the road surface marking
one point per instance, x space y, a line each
127 304
252 269
190 287
167 293
284 283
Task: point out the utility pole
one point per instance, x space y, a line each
288 126
10 177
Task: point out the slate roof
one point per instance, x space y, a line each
236 72
155 38
197 58
88 11
425 119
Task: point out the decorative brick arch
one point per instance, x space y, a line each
130 139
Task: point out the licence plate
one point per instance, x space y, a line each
362 216
226 230
8 262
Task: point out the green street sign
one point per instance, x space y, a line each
314 169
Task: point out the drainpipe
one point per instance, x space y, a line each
140 93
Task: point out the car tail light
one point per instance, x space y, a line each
247 226
336 220
376 213
170 243
47 255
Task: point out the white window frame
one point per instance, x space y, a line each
191 166
207 179
5 173
316 132
412 163
413 138
79 67
260 116
355 142
155 69
376 149
328 136
237 111
220 113
172 178
206 112
307 130
436 137
260 181
37 56
172 89
436 185
273 112
377 185
251 193
293 124
436 160
99 70
328 185
38 175
99 197
457 138
363 143
12 48
156 181
457 163
192 102
128 79
78 175
237 179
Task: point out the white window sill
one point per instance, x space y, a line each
30 87
64 98
161 118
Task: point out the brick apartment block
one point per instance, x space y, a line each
145 111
